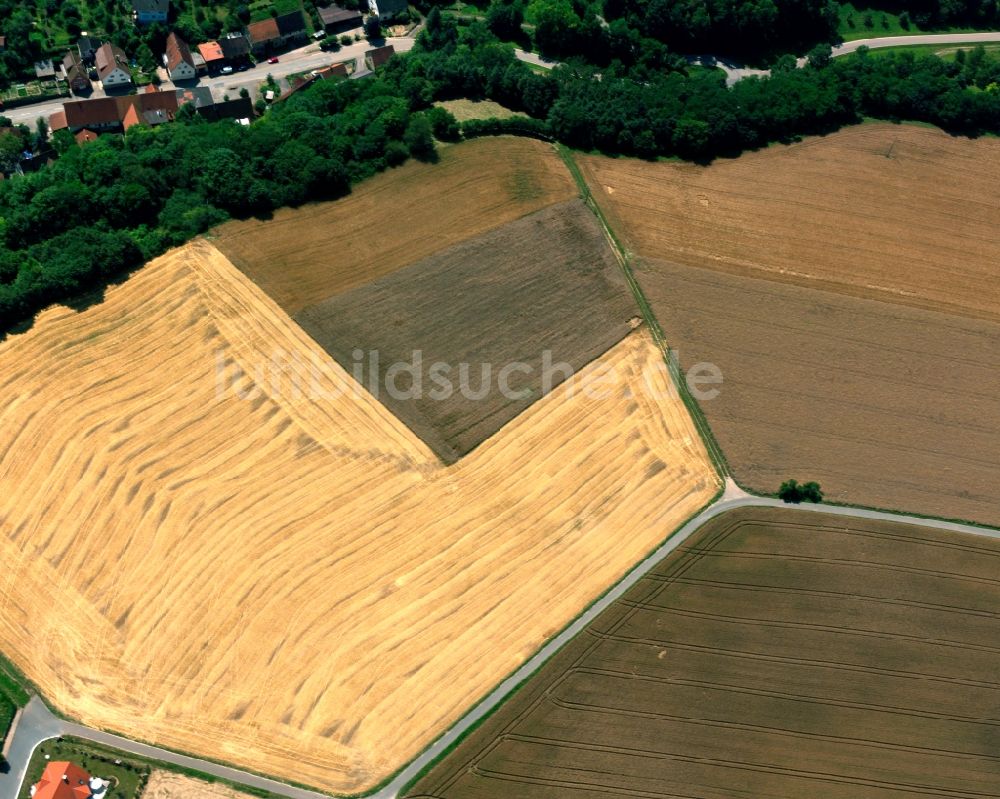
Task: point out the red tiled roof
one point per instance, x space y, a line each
63 780
264 31
85 136
57 121
106 111
380 55
177 52
211 51
109 58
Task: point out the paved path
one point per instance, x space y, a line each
735 71
38 724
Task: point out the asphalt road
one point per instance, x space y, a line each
304 59
38 724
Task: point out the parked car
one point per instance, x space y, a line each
272 60
227 70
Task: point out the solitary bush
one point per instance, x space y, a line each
794 493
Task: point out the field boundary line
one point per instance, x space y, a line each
715 453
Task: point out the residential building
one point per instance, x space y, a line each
62 780
87 47
146 12
215 59
332 71
104 114
178 60
45 69
235 48
276 33
85 136
75 73
387 9
380 55
112 66
3 43
337 20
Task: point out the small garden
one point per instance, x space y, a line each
127 775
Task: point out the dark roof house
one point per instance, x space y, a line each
380 55
76 73
387 9
88 46
148 11
336 19
234 46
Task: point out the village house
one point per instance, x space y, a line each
88 46
112 66
276 33
75 73
146 12
337 20
379 55
178 60
213 56
45 69
64 780
235 48
387 9
104 114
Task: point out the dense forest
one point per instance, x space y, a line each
105 207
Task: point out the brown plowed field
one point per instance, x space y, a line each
265 566
305 255
776 654
900 213
548 282
884 405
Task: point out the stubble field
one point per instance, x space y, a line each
841 285
776 653
545 289
897 213
306 255
268 568
167 785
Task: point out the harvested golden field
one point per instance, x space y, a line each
885 405
305 255
167 785
777 654
266 567
899 213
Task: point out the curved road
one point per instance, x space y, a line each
736 72
38 724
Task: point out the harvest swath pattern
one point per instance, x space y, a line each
293 583
777 654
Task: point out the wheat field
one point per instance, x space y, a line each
198 555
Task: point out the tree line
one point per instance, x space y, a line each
107 206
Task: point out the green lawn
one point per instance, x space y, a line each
7 711
946 51
860 21
128 777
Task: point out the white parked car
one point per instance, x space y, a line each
227 70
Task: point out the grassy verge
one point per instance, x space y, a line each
945 51
673 362
861 21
